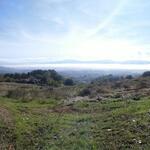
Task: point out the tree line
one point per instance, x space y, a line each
40 77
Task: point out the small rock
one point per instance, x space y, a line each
134 120
55 137
140 142
109 130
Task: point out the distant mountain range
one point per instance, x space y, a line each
70 61
4 70
9 65
100 62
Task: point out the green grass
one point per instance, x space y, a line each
50 125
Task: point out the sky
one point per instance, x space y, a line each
74 29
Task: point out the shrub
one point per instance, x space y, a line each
146 74
85 92
136 97
40 77
68 82
129 77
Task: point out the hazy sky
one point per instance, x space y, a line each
75 29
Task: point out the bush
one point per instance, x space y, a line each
146 74
68 82
40 77
85 92
136 97
129 77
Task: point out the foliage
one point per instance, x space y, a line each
129 77
146 74
85 92
40 77
68 82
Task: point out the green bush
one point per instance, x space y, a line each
68 82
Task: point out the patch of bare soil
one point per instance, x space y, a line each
5 116
7 136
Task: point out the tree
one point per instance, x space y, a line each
42 77
146 74
129 77
68 82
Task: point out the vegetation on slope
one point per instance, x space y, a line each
51 124
39 77
109 114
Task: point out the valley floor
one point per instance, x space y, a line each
53 125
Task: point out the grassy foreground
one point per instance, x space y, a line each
52 125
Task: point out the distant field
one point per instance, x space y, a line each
51 125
